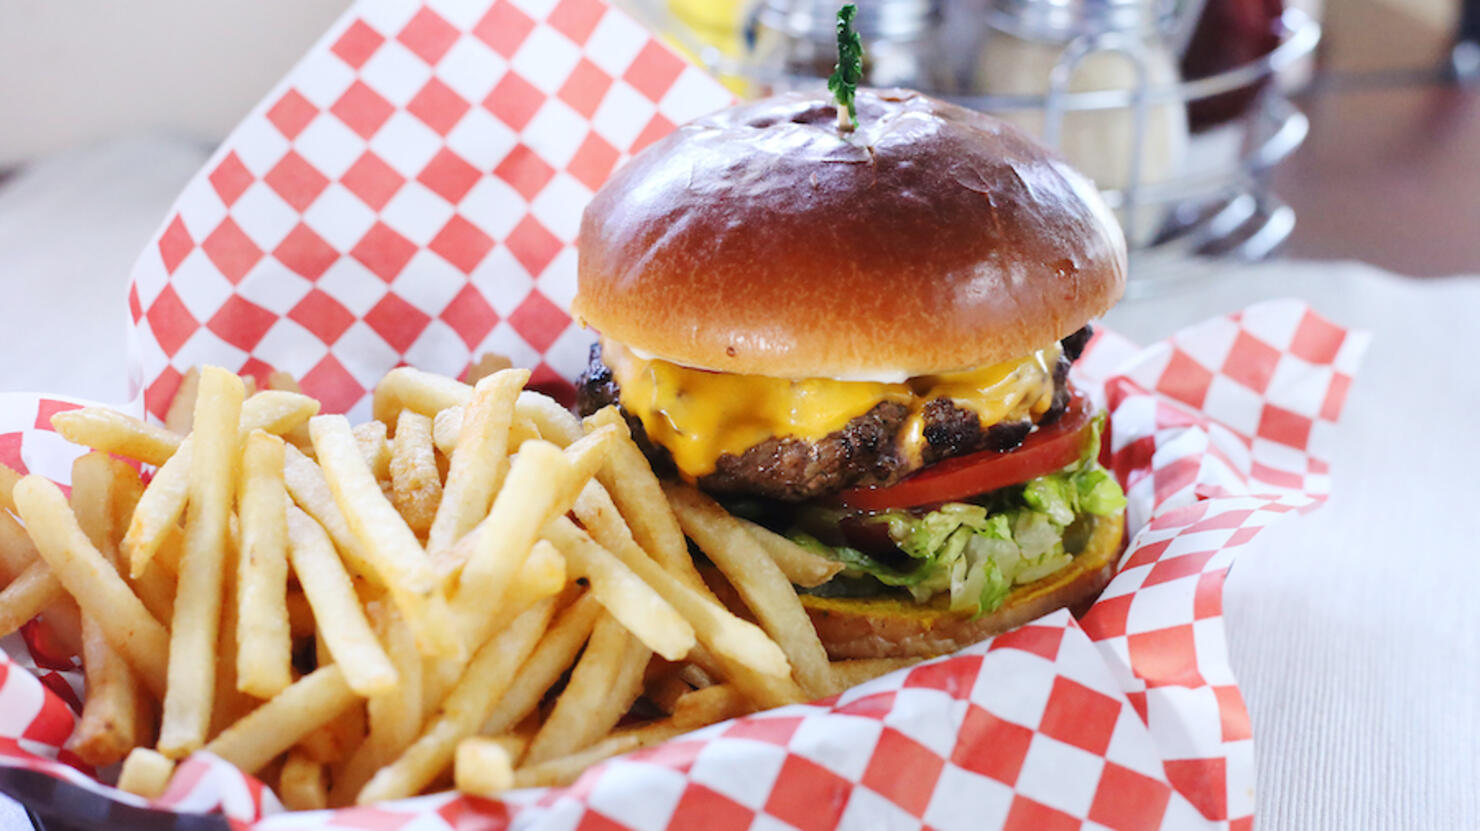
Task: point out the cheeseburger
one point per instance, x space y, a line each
861 339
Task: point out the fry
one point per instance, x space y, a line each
566 769
638 494
9 476
336 608
279 380
555 423
156 586
182 407
416 484
92 581
487 678
557 650
478 461
404 388
482 767
851 673
164 500
301 783
760 582
110 724
393 550
311 702
110 431
395 717
487 364
374 448
145 773
193 630
714 625
264 643
801 567
310 491
501 546
159 509
446 427
578 717
637 604
698 708
26 595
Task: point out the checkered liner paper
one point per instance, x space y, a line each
410 193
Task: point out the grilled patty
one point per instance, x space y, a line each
862 452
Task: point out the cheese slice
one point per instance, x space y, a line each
701 415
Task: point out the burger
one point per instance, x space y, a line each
861 339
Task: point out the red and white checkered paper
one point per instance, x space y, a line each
409 194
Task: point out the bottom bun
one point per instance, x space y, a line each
876 627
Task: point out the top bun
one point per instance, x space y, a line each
761 240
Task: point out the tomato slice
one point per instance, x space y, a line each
961 477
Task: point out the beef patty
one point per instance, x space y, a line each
862 452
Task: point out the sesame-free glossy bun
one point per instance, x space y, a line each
761 240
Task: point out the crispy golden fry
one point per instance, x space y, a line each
9 476
181 412
264 642
482 767
146 773
228 703
110 725
698 708
487 364
640 606
92 581
760 582
566 769
311 702
478 461
555 423
301 784
159 509
579 715
334 742
555 653
310 491
336 608
370 437
851 673
279 380
26 595
416 484
446 427
601 518
801 567
163 502
487 678
404 388
110 431
395 717
215 457
527 501
393 550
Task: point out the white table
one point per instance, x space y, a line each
1352 630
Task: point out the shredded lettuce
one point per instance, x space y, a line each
978 555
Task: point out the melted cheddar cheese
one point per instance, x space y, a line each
701 415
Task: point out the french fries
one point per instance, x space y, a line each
186 716
97 587
341 620
489 585
416 482
146 773
394 552
264 643
113 432
760 582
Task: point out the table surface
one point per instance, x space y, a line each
1350 629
